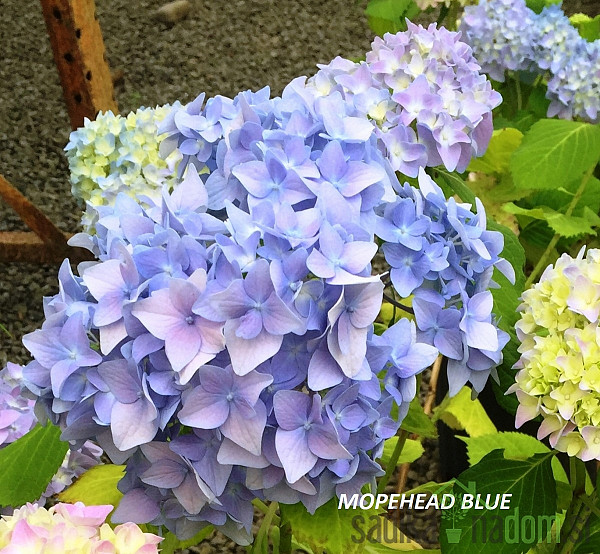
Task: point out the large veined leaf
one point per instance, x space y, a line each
28 465
532 504
554 152
516 446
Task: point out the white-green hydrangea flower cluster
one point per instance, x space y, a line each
559 375
114 154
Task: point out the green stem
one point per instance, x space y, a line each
285 537
543 261
265 509
393 463
397 304
579 510
443 13
519 93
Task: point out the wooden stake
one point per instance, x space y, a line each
80 57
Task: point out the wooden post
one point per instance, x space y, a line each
79 54
46 244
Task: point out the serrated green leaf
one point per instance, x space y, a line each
29 463
462 413
533 490
554 152
411 451
588 27
98 485
564 225
534 213
591 217
569 226
417 421
497 157
389 16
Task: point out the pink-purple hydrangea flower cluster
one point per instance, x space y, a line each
507 35
233 357
423 91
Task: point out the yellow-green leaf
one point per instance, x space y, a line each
97 486
497 157
462 413
412 450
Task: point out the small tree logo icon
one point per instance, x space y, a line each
454 515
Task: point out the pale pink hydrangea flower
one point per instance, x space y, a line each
71 529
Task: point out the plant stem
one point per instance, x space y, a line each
579 510
391 466
541 265
518 91
397 304
285 537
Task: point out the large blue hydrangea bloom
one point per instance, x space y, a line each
234 357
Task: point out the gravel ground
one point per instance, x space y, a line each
221 48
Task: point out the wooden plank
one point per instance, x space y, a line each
33 217
24 246
80 57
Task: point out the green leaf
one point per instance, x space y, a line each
455 184
516 446
569 226
519 446
532 505
560 198
388 16
497 157
98 485
462 413
335 531
554 152
411 451
417 421
564 225
344 531
523 120
538 5
29 463
588 27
